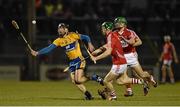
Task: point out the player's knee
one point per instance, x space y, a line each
121 81
73 81
105 81
77 82
143 75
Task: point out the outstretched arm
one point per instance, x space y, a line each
106 53
43 51
99 50
88 40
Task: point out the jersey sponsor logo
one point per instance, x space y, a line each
70 47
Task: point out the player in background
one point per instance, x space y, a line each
129 42
69 41
113 47
167 55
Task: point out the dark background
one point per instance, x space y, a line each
150 19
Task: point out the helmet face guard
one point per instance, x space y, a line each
120 22
63 25
108 25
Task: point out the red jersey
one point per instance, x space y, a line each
117 53
167 51
128 34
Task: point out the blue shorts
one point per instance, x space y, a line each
76 64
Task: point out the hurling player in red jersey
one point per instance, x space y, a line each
129 41
113 47
167 55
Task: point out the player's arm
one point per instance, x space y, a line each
43 51
175 54
108 50
99 50
138 41
47 49
88 40
106 53
130 41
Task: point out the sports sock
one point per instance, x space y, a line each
136 81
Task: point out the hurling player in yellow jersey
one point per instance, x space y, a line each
69 41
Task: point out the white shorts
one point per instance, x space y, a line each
132 59
119 69
167 62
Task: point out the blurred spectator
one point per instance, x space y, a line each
167 56
49 7
40 10
58 11
68 13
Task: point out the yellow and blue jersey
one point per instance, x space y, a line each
70 44
72 48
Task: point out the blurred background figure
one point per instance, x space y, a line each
167 55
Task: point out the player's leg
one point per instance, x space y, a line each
170 71
114 73
131 59
171 75
81 87
108 83
128 91
124 79
79 76
79 73
144 74
163 69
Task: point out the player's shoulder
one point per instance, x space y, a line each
72 34
130 30
127 32
171 44
112 34
58 39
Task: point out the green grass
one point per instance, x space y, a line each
65 93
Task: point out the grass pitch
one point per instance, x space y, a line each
64 93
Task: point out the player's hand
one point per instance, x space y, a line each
34 53
91 47
93 59
130 41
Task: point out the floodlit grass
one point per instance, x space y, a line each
64 93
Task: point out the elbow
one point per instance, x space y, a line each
86 38
137 43
140 42
109 51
